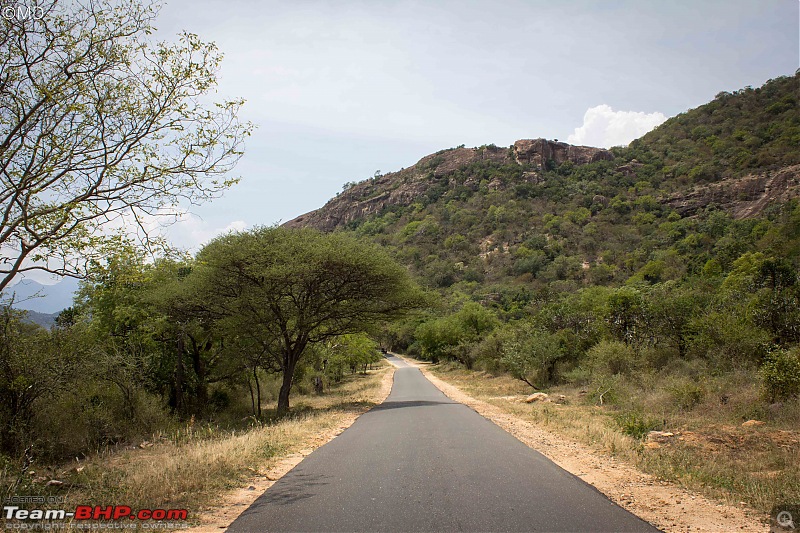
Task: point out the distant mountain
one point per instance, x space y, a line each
46 320
33 296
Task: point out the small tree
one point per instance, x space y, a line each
286 289
99 125
530 355
780 374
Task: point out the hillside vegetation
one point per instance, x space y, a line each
593 250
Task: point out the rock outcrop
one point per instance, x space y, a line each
743 197
539 151
405 187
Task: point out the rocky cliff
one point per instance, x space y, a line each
742 197
539 152
404 187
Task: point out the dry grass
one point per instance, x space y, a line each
710 453
191 467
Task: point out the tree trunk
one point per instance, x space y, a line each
179 378
201 394
286 386
258 389
252 397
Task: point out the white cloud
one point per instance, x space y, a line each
191 232
604 127
182 228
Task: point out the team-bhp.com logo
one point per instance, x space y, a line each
97 512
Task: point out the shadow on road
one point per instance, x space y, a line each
418 403
294 488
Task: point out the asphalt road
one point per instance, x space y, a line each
421 462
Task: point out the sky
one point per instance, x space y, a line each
341 89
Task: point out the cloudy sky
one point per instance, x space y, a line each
341 89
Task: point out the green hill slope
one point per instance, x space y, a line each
542 213
735 133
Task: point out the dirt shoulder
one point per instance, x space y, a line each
230 505
665 505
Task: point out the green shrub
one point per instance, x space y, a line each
580 375
636 424
686 393
605 389
531 356
780 374
612 357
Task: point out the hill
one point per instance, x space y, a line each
541 213
445 170
46 320
30 295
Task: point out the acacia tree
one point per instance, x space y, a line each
283 290
99 126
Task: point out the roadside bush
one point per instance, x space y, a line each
636 424
611 357
531 356
686 393
93 416
580 375
729 339
780 374
605 389
488 352
659 357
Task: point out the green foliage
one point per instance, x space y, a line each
531 355
780 373
687 393
348 352
637 424
751 128
625 313
612 358
454 336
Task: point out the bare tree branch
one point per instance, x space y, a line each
96 123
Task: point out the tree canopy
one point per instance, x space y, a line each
278 290
101 127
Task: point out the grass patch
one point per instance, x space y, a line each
636 425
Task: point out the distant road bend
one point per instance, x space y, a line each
422 462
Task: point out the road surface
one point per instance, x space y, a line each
422 462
